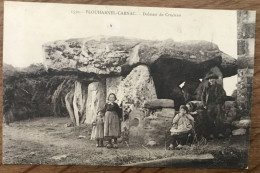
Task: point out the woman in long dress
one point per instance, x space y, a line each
113 116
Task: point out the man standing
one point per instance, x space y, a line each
213 98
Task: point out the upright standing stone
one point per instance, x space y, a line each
96 100
69 106
77 102
133 91
112 84
137 87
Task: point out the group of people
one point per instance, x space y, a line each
107 124
206 122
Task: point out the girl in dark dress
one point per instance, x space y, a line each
113 116
200 117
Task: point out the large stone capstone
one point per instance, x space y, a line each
169 63
115 55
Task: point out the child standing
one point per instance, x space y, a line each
182 125
113 116
98 129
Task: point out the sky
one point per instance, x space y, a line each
29 25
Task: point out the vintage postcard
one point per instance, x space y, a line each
127 86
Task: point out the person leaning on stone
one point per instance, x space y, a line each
213 98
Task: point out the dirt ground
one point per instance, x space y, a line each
49 141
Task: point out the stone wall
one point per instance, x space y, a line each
245 47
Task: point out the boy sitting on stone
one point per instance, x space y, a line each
183 123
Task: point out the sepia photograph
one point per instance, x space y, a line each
127 86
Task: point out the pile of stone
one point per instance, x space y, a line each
230 111
151 125
242 126
239 125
